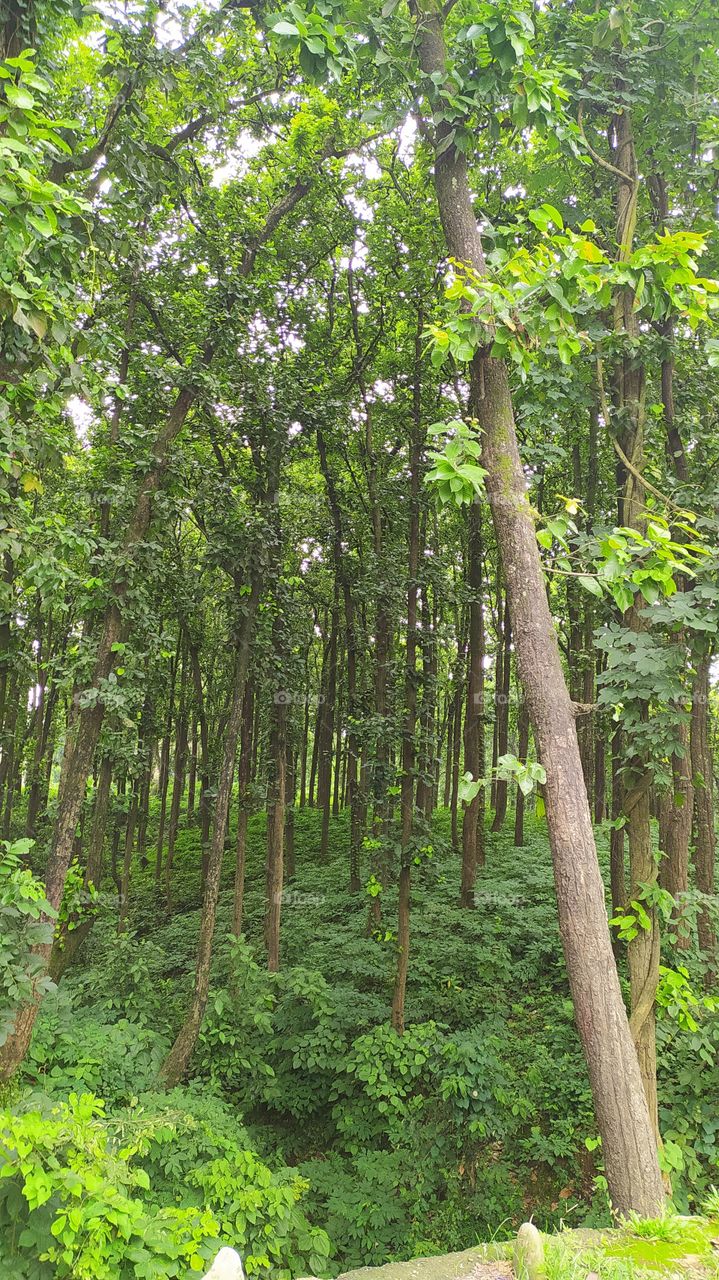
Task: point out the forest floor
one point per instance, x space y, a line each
365 1148
686 1247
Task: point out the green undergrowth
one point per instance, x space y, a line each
673 1245
310 1135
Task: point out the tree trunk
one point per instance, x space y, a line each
457 738
164 778
192 774
522 750
675 829
178 1059
703 776
243 779
67 942
628 1142
502 714
616 839
473 816
326 730
275 833
127 859
409 751
355 788
178 784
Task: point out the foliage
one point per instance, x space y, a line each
25 922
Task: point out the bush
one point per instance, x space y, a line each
151 1192
22 906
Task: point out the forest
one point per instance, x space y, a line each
359 613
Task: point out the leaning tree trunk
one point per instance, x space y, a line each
628 1141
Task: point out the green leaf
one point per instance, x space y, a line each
19 97
43 225
590 584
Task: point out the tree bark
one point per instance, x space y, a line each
628 1141
178 783
409 751
473 816
276 828
522 750
703 778
502 714
243 780
178 1059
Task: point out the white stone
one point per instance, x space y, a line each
227 1266
528 1253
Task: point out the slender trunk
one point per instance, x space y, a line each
339 744
144 801
316 736
502 714
178 1059
355 790
409 752
703 776
204 764
275 833
178 784
243 780
67 942
629 390
600 772
326 730
473 816
449 722
430 740
616 839
675 829
522 750
164 778
305 744
127 859
457 748
192 774
289 851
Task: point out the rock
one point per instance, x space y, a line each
449 1266
227 1266
528 1253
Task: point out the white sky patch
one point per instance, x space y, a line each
407 139
34 696
236 165
360 207
383 390
82 418
358 259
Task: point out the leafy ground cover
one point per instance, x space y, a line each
310 1135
